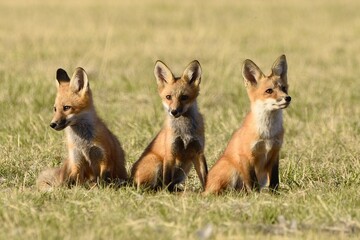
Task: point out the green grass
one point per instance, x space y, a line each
118 42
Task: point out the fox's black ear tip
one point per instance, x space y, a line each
60 71
195 63
247 63
61 75
79 69
159 62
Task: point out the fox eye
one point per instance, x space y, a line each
184 97
269 91
65 108
168 97
54 109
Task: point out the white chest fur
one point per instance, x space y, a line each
186 127
269 125
268 122
83 148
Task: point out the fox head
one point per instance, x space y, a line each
178 93
269 92
73 99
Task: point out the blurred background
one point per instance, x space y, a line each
118 42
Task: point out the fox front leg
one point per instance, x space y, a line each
201 168
93 154
199 162
274 175
168 173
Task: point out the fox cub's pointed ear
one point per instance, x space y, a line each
163 74
79 82
192 73
251 73
61 76
279 67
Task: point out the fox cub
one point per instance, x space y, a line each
252 155
180 143
94 152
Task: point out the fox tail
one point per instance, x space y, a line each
49 179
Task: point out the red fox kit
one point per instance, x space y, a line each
180 143
252 155
94 152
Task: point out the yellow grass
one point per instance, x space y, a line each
118 42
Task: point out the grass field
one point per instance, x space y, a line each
118 42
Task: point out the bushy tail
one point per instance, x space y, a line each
49 179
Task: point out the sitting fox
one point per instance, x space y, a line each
180 143
93 151
252 155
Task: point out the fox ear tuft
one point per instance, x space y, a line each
163 74
79 82
61 76
279 67
192 73
251 73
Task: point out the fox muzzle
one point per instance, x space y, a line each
58 125
288 99
176 112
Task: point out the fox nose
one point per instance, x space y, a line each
174 112
53 125
287 98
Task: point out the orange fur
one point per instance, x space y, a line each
252 155
94 152
180 143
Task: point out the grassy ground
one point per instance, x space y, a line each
118 42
